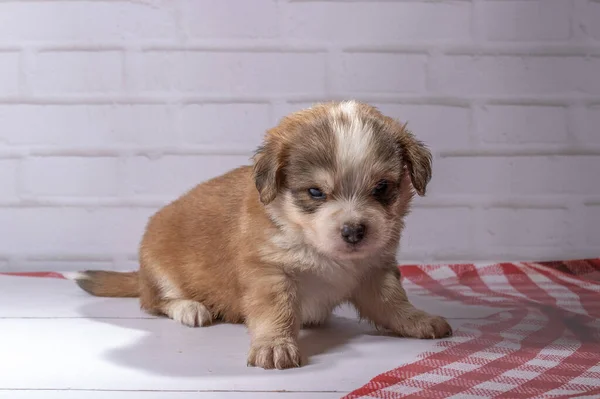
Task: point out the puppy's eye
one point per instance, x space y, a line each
380 188
316 193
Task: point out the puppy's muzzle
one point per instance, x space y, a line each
353 233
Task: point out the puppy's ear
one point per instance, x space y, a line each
417 158
268 164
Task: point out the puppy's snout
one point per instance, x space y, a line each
353 233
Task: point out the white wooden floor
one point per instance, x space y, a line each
58 342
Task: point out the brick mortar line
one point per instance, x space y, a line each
519 152
176 10
575 115
135 150
532 50
135 99
573 20
476 33
166 98
77 1
156 152
285 45
541 201
474 120
20 181
141 46
159 152
374 1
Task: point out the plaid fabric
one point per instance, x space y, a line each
543 341
34 274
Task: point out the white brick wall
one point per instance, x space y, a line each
109 109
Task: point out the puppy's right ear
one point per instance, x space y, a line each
268 164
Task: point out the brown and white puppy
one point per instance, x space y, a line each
314 223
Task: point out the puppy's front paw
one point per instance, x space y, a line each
278 353
425 326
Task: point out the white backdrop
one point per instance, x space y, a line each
108 109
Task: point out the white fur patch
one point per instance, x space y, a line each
168 290
320 292
348 107
75 275
190 313
352 140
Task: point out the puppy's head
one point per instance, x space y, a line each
342 174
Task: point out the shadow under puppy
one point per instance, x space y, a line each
315 222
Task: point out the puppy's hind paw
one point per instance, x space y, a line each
188 312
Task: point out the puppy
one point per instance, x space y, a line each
314 223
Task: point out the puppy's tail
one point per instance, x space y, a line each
107 284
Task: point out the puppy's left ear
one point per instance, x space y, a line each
417 158
268 165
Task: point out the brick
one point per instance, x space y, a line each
8 179
71 176
155 176
592 226
230 18
377 72
556 175
77 72
231 125
512 124
514 176
95 21
440 127
526 20
230 73
86 125
505 228
470 175
511 75
9 73
589 131
384 22
71 231
436 229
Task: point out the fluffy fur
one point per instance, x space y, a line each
314 223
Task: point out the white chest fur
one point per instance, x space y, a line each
319 293
322 283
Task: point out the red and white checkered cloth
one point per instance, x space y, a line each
542 342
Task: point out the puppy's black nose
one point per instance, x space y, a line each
353 233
